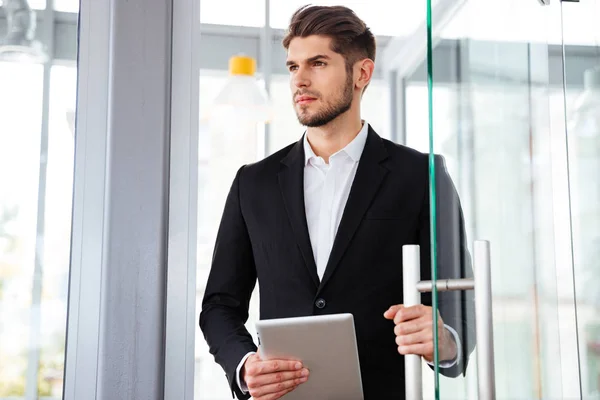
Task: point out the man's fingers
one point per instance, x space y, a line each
275 388
406 328
390 313
414 338
421 349
254 358
275 396
255 382
271 366
409 313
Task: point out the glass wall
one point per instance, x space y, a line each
37 111
526 184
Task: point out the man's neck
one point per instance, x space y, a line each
328 139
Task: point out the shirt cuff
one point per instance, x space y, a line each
451 363
238 378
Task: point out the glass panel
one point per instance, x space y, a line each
494 124
20 122
581 34
35 228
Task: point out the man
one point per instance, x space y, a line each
321 225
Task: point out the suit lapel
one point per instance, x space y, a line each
291 183
369 175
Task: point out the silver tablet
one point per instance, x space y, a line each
327 347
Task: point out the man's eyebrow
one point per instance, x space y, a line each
318 57
309 60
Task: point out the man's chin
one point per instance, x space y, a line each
305 120
309 122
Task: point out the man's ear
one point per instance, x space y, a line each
365 70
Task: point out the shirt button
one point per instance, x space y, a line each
320 303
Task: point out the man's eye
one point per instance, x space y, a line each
292 68
319 64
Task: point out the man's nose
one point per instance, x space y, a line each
301 79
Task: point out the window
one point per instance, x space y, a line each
233 12
35 228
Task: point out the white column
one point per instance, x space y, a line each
116 324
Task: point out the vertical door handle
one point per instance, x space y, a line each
413 286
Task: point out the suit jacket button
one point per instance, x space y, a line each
320 303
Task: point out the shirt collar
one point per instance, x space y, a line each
353 149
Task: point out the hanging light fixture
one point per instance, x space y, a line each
19 44
242 98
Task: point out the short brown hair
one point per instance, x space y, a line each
350 35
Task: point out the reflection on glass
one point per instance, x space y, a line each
35 228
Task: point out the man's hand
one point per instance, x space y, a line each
270 380
414 332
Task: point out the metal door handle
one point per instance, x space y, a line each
413 286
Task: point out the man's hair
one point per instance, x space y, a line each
349 35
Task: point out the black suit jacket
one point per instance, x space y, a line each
263 235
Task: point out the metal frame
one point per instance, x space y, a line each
413 379
33 362
83 317
266 68
183 204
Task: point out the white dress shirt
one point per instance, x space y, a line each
326 190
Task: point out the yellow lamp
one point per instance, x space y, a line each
242 98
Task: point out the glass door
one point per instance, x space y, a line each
500 201
581 37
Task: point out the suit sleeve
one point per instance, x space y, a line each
457 308
228 290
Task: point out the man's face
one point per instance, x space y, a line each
322 89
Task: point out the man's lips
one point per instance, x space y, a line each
304 99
